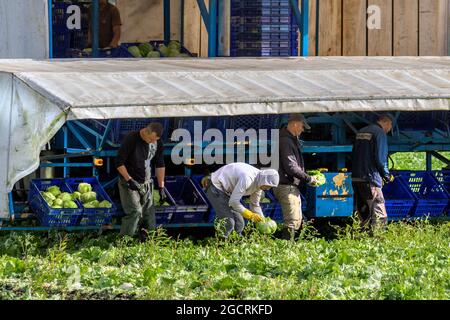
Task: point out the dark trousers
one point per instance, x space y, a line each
219 200
370 205
138 208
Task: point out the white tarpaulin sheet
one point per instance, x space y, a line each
37 97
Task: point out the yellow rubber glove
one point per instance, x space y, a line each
247 214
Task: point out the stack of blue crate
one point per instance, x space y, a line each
61 34
263 28
79 38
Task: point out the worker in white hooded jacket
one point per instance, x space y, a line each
229 184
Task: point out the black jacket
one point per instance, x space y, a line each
370 154
292 166
134 154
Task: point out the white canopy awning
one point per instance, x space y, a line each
37 97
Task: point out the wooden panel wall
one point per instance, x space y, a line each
408 27
433 27
354 37
192 27
379 42
330 28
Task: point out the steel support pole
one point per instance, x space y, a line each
95 28
166 21
50 29
212 35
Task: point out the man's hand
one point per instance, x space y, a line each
133 185
162 195
313 182
389 178
247 214
205 182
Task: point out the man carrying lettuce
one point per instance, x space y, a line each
292 175
137 153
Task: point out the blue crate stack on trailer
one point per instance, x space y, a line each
263 28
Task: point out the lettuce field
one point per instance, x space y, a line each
406 261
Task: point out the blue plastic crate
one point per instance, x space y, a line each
270 44
443 176
264 52
61 43
94 216
190 205
122 127
164 214
432 198
262 28
259 3
211 214
399 200
272 36
267 208
188 123
47 216
79 39
59 14
254 122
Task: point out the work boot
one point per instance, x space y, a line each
143 235
288 234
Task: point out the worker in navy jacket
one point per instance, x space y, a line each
370 171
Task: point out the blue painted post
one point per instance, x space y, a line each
11 205
212 36
429 161
50 29
166 21
95 28
317 26
204 13
305 28
66 145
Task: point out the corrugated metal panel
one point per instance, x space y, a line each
24 29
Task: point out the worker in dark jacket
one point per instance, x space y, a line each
136 154
110 26
370 171
292 175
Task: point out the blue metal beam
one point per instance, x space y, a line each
166 21
66 145
302 19
204 13
212 34
105 134
66 165
95 28
50 29
305 28
79 136
428 161
11 205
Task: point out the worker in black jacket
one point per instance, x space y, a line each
133 162
292 174
370 171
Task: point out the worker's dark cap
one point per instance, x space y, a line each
299 117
